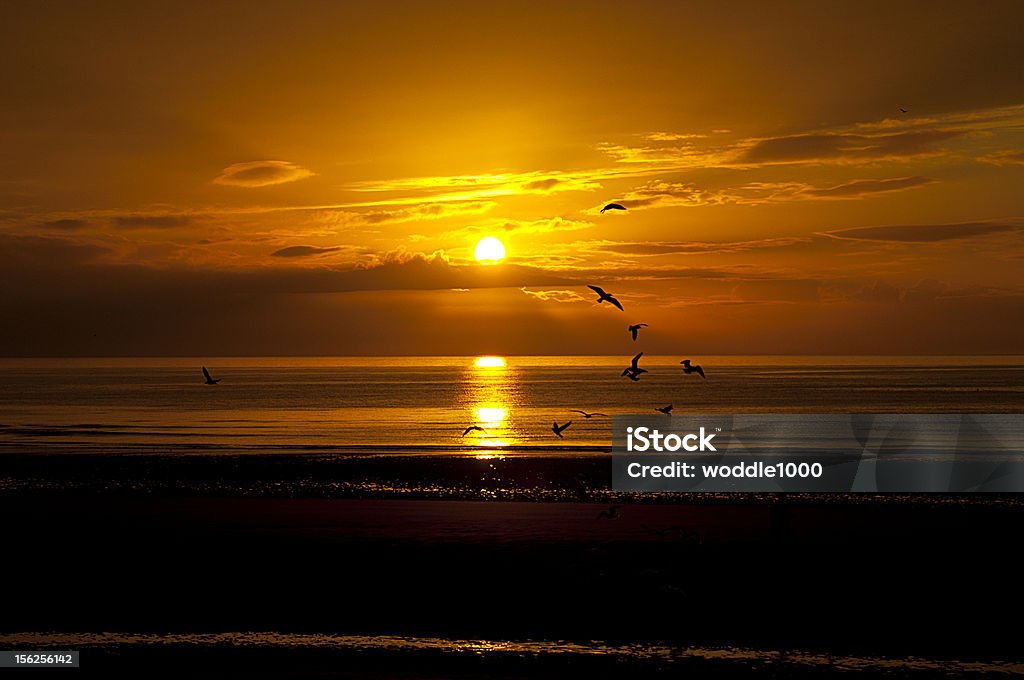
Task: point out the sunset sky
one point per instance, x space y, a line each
305 178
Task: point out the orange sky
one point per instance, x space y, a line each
307 178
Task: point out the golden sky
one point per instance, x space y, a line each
312 178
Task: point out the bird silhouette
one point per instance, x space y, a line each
633 371
471 428
588 415
209 378
557 429
613 206
689 368
603 296
667 410
902 110
628 373
635 328
610 513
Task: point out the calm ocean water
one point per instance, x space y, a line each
424 403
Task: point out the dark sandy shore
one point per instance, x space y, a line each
365 568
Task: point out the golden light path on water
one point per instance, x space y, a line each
491 391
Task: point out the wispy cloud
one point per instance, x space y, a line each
554 295
659 194
304 251
261 173
925 233
646 248
1009 157
145 221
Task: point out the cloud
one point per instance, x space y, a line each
150 221
658 194
554 295
844 147
644 248
1009 157
303 251
45 252
925 233
66 224
671 136
474 187
261 174
862 187
423 211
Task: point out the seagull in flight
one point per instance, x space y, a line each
209 378
610 513
613 206
471 428
603 296
557 429
635 328
588 415
689 368
633 371
667 410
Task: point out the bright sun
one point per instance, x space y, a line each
489 249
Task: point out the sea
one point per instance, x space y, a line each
422 405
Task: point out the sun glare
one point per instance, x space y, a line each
489 249
489 362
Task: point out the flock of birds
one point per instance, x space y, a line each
633 371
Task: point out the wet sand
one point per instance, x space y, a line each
319 563
893 580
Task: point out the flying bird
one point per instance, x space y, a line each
588 415
610 513
209 378
667 410
902 110
603 296
472 428
633 371
613 206
635 328
689 368
557 429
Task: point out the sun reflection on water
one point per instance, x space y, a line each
491 391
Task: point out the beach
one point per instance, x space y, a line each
173 579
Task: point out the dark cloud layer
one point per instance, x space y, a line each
150 221
302 251
925 233
840 147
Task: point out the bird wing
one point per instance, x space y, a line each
701 371
615 302
632 330
598 290
613 206
685 362
206 373
576 410
600 414
636 360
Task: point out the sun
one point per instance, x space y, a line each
489 249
